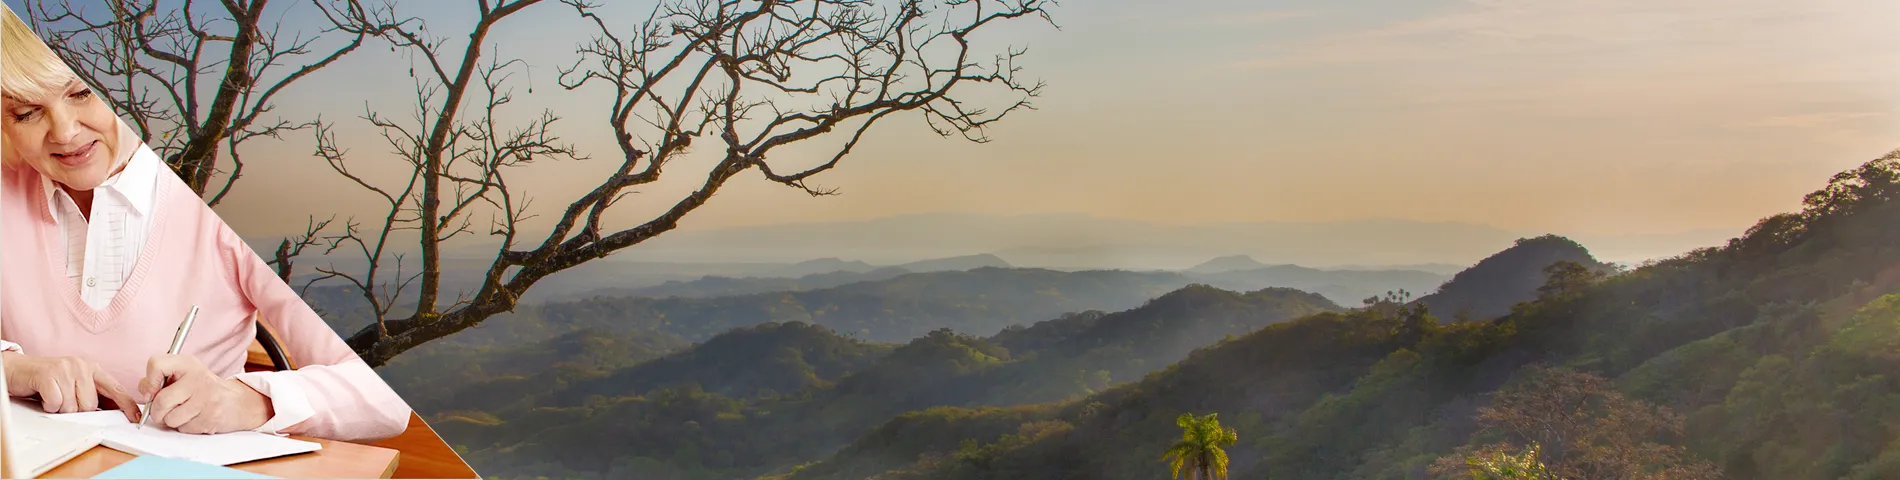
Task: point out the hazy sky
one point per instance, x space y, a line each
1595 117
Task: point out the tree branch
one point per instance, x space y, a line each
760 73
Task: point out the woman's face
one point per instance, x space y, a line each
71 137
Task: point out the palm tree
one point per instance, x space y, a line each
1501 464
1200 448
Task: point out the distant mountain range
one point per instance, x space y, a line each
1057 241
829 365
798 257
830 348
1228 264
1081 241
1775 349
613 278
836 265
1346 287
779 393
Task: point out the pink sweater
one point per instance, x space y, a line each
190 257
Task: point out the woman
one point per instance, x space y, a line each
107 251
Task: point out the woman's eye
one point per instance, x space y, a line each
82 94
25 115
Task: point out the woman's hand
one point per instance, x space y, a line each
188 398
66 384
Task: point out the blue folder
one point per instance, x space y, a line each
166 468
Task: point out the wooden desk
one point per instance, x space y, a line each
425 455
335 460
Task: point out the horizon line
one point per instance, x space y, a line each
1736 229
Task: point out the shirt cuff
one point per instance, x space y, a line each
287 399
6 346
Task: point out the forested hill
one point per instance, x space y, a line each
440 379
1081 353
762 361
1488 289
1770 357
980 301
763 398
758 361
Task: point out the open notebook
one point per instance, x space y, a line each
221 449
31 444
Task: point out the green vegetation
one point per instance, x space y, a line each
756 361
772 396
1769 357
445 379
1778 348
1489 289
1500 464
1200 449
981 301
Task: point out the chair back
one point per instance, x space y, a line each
271 353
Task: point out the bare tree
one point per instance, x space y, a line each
1578 426
749 75
196 85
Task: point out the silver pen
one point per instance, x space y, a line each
178 345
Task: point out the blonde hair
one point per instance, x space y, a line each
29 70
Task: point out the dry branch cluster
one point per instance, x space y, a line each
1577 426
193 83
739 78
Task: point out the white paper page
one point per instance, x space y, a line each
102 418
220 449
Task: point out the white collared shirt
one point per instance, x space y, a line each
100 254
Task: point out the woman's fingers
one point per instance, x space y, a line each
51 398
72 385
158 370
85 395
184 417
165 401
69 386
110 389
65 384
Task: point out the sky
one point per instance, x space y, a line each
1589 117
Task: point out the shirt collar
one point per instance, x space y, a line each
134 184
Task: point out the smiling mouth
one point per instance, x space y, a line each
78 156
